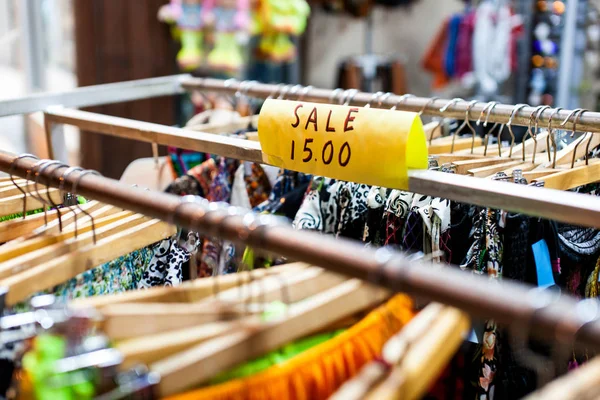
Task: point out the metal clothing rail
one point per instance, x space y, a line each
568 207
175 84
562 320
459 109
96 95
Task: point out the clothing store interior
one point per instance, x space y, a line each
299 199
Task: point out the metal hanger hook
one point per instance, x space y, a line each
384 98
334 95
550 137
539 111
431 101
449 104
248 85
276 91
57 165
509 125
402 99
529 132
61 190
83 173
305 92
374 97
294 90
577 113
37 196
488 107
349 96
12 179
284 92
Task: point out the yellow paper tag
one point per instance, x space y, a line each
365 145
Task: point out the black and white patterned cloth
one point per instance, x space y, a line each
170 257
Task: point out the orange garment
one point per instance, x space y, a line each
434 58
318 372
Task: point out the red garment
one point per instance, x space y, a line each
464 45
433 60
515 34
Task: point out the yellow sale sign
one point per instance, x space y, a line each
366 145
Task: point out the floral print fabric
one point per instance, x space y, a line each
116 276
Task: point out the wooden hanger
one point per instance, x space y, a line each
444 145
572 177
164 339
188 368
19 228
25 254
124 320
187 292
60 269
577 149
425 358
581 383
393 351
50 234
14 204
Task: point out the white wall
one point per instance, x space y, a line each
405 31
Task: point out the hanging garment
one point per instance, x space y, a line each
319 372
285 183
492 46
397 208
516 243
220 190
433 60
169 261
374 229
464 45
251 186
352 200
413 238
196 181
451 54
484 257
319 209
181 161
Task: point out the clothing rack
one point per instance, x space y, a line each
573 208
562 320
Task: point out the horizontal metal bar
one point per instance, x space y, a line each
507 302
568 207
589 121
155 133
88 96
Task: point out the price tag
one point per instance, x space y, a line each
365 145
